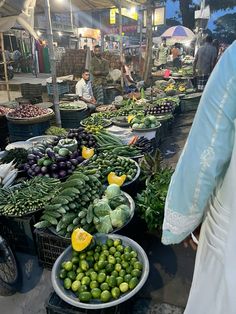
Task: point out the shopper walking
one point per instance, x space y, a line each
202 191
162 54
204 62
176 56
100 70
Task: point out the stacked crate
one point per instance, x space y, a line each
72 62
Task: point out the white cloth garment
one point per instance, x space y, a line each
214 283
202 190
84 89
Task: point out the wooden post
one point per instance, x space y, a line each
53 63
5 67
148 57
140 40
121 45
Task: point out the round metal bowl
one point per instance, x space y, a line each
132 210
39 139
69 296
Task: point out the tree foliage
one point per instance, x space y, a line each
225 28
187 8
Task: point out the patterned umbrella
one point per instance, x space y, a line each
178 34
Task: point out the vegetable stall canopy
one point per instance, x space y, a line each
87 5
17 12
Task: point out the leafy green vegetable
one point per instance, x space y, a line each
112 190
119 216
151 201
117 201
102 208
104 225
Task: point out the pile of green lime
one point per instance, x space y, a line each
103 273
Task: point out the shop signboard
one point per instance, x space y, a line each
158 17
86 32
130 13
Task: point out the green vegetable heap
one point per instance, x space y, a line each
110 162
151 202
112 211
29 196
103 273
69 210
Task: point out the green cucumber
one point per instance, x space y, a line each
42 224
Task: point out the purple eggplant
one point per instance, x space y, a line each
37 169
31 157
50 153
80 159
62 173
62 165
44 170
26 167
60 158
54 167
68 164
74 162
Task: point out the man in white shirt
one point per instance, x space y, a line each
84 90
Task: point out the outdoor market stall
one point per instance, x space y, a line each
88 177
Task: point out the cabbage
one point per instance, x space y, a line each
104 225
112 190
102 208
119 216
117 201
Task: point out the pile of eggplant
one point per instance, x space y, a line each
51 159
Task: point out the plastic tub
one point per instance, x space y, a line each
69 297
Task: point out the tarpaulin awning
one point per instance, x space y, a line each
87 5
20 12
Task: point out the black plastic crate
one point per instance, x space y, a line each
32 90
56 305
71 119
49 247
22 132
19 232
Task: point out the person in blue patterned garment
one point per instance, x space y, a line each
202 192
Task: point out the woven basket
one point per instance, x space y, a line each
34 120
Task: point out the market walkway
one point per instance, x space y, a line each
21 78
171 267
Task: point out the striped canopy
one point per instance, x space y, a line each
178 33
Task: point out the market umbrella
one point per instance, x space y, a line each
178 34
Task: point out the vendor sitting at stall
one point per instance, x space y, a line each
84 90
129 83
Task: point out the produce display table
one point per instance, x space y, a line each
126 134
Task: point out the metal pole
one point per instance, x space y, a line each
71 17
53 63
121 45
148 56
5 67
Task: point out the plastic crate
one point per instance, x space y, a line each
62 88
3 132
190 104
49 247
31 90
55 305
22 132
71 119
19 232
